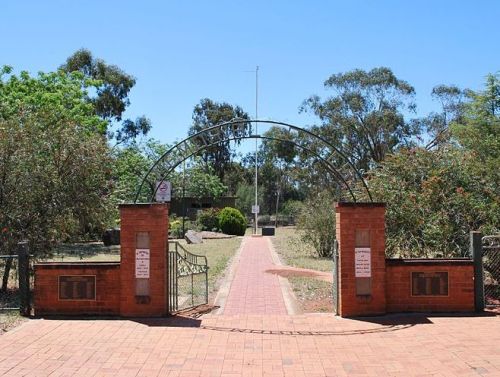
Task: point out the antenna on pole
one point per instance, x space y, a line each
256 140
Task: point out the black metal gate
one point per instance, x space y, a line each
491 270
335 290
187 278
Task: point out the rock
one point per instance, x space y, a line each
111 237
193 237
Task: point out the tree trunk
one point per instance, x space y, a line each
6 272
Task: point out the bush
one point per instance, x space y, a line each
232 221
208 219
175 227
317 223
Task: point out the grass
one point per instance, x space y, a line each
9 320
88 252
314 295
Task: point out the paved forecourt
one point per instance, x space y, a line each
255 345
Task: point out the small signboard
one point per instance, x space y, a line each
362 262
142 263
163 191
255 209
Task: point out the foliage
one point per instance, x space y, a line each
200 183
112 86
316 222
232 221
433 200
292 208
130 164
246 198
208 219
209 113
54 162
366 114
175 227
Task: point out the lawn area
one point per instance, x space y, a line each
313 295
10 319
218 252
88 252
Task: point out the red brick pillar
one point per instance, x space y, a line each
361 236
143 268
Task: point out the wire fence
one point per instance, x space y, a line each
491 270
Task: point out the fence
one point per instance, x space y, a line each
491 270
15 291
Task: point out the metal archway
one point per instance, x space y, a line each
197 143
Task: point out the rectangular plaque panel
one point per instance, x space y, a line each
77 287
142 263
429 283
362 262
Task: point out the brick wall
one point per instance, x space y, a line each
460 296
152 218
364 216
107 298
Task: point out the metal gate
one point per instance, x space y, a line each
187 278
15 281
335 288
491 270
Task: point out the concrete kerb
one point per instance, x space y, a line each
225 286
291 303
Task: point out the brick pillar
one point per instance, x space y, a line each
361 236
143 227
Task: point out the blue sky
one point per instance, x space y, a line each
183 51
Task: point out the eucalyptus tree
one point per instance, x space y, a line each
366 114
209 113
112 87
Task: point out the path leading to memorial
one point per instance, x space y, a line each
252 289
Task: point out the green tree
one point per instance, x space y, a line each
112 88
366 115
54 162
209 113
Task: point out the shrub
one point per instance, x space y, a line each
232 221
208 219
175 226
317 223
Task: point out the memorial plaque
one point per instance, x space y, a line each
429 283
142 263
77 287
362 262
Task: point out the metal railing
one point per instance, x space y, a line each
187 278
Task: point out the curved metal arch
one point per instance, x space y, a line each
328 165
243 121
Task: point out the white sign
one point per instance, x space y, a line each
142 263
363 262
163 191
255 209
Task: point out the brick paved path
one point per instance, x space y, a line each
306 345
253 291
